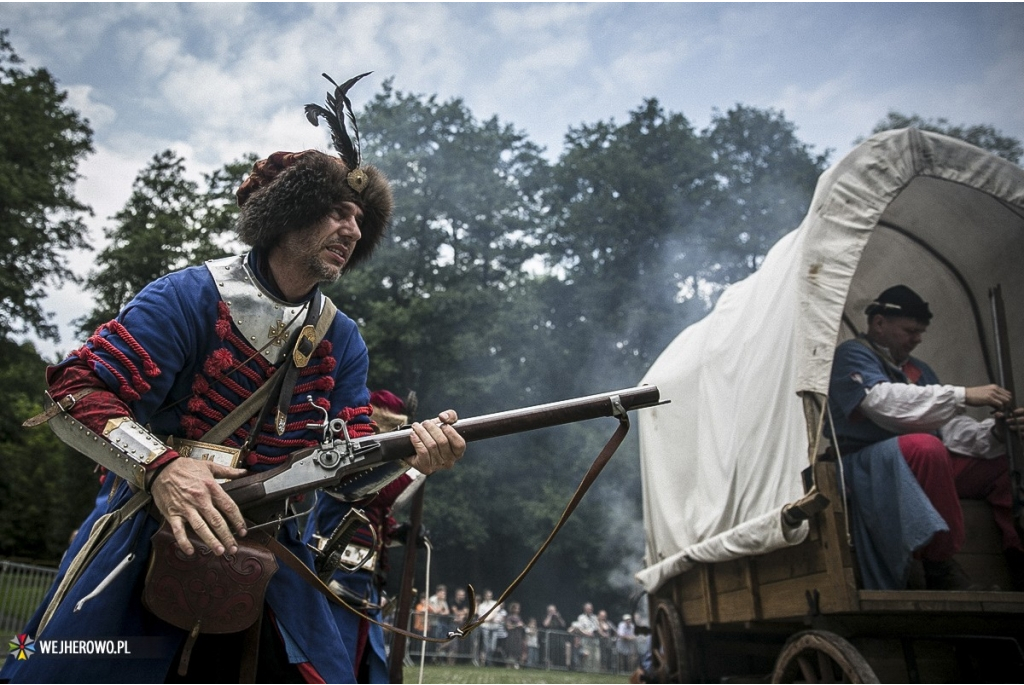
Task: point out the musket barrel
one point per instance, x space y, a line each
396 445
1012 438
251 490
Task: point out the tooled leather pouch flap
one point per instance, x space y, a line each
217 594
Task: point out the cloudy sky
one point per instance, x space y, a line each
213 81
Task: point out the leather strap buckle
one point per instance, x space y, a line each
64 404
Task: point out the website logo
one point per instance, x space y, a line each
22 647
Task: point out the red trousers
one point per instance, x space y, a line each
946 478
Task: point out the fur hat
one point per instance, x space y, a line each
292 191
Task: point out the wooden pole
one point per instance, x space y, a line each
397 656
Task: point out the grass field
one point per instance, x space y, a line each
473 674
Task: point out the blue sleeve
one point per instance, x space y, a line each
353 365
142 354
855 370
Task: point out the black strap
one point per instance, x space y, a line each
283 381
300 346
251 651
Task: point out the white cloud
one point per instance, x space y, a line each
80 98
154 53
107 177
214 81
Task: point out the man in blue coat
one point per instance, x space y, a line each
176 362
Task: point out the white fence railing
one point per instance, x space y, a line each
552 649
22 587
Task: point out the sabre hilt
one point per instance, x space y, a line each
331 551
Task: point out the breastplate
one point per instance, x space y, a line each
265 321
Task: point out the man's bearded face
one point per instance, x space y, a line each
323 250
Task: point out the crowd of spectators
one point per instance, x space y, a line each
590 643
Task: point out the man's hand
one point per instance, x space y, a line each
438 445
186 492
987 396
1013 422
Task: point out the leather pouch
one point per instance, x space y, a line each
206 593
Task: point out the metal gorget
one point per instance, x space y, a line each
265 321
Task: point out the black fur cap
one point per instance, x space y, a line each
293 191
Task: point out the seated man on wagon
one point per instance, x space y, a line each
910 453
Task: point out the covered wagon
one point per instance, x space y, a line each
750 565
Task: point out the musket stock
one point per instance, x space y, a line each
301 476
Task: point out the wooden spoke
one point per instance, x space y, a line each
818 656
667 647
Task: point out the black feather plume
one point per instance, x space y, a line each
339 108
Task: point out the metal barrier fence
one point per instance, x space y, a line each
514 648
22 587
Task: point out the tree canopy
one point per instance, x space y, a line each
42 142
467 219
167 224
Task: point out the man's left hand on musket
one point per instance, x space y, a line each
438 445
186 491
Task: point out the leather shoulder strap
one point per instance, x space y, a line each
243 412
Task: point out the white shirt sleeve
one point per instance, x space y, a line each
971 438
905 408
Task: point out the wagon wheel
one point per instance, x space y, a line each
668 651
818 656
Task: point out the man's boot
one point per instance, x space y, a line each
948 575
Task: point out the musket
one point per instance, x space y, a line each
338 458
1014 448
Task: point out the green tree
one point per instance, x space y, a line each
47 488
467 218
167 224
644 210
652 214
765 179
42 142
985 136
219 207
627 197
448 308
